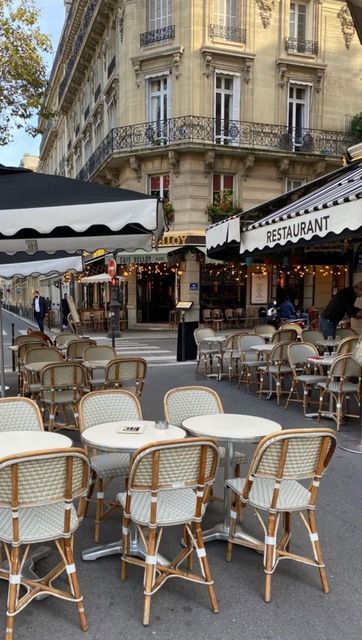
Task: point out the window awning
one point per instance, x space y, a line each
325 209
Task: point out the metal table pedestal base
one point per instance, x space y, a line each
220 532
115 548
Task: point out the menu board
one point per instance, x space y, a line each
259 288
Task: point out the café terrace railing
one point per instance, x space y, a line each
212 131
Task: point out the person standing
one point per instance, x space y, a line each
40 309
65 311
340 305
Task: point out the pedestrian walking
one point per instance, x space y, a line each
40 309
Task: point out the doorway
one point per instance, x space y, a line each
155 296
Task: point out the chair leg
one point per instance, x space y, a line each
233 520
318 552
270 545
90 492
12 593
149 573
73 582
125 546
187 539
339 412
201 552
99 508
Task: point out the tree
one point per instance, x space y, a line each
23 73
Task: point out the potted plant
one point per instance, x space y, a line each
223 207
169 211
356 127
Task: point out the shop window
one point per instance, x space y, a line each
222 182
159 187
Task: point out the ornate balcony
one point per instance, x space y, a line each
158 35
233 34
205 132
298 45
111 67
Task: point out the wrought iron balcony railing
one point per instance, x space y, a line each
197 130
298 45
234 34
97 93
111 67
157 35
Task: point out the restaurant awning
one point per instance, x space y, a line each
328 208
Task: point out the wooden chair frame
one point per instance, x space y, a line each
118 379
340 374
301 368
77 386
279 359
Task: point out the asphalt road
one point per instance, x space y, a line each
298 611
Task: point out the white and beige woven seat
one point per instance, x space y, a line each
127 373
100 407
312 336
273 484
346 333
102 353
186 402
20 414
249 360
62 339
27 343
37 491
169 484
205 351
303 372
33 355
275 370
343 382
75 348
62 386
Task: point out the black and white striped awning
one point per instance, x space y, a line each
325 209
40 212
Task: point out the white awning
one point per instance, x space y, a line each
98 278
41 267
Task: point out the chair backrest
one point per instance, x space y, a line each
292 454
344 367
43 354
264 329
251 312
19 340
239 312
123 372
75 349
229 314
26 346
62 376
39 335
20 414
312 336
58 476
232 341
293 326
246 342
62 339
109 405
346 333
299 352
284 335
99 352
347 345
279 353
206 314
217 314
189 463
202 334
186 402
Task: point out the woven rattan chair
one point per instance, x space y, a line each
205 351
342 384
284 335
127 373
275 369
346 333
249 360
76 348
231 354
312 336
240 315
169 485
123 325
230 318
23 348
102 353
20 414
294 326
61 339
62 386
207 317
186 402
347 345
100 407
303 372
273 486
38 354
36 506
40 335
264 329
217 319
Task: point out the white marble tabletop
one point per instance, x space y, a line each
108 435
233 427
96 364
262 347
17 442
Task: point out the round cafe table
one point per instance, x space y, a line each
108 436
229 428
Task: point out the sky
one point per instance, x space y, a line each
51 20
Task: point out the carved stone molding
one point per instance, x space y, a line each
282 81
265 9
248 67
137 71
176 59
209 161
120 18
246 165
174 162
207 60
135 164
347 26
318 81
112 92
283 167
319 168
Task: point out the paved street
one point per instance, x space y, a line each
298 610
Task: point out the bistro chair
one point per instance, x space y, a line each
231 354
126 372
284 335
40 335
342 384
75 348
230 318
102 353
264 330
303 372
272 485
38 354
217 319
61 339
23 348
346 333
252 316
207 317
36 506
294 326
312 336
181 403
123 325
62 385
169 485
98 320
20 414
100 407
205 351
276 369
240 315
347 345
249 359
86 317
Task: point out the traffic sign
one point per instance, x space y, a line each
112 268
